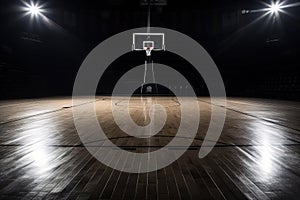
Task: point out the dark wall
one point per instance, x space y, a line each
255 59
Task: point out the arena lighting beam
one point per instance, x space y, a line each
33 9
274 8
37 13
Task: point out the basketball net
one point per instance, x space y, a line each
148 50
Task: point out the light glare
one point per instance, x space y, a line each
275 8
35 10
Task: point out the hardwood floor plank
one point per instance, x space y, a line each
256 157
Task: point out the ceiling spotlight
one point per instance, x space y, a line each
275 8
33 9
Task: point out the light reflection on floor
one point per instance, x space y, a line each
38 135
254 156
266 155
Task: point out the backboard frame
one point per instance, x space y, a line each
162 35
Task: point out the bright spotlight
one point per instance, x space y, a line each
33 9
275 8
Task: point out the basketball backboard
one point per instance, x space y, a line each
148 42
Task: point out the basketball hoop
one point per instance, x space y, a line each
148 42
148 50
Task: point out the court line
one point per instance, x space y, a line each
48 112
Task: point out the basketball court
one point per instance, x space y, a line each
256 157
149 99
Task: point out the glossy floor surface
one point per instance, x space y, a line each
256 157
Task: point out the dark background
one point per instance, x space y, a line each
256 59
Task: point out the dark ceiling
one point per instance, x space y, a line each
219 26
239 43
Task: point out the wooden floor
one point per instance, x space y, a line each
256 157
